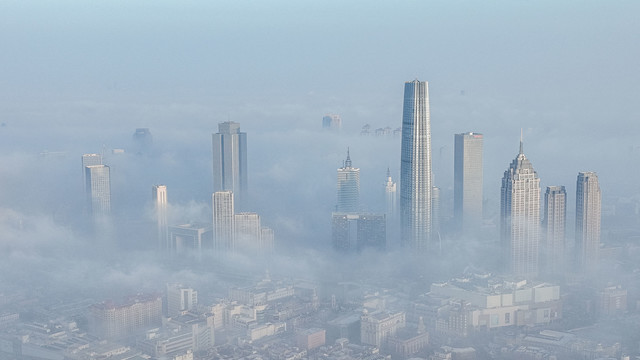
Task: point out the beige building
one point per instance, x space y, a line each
378 326
110 321
588 215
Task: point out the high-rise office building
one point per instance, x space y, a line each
435 212
98 189
390 197
588 216
520 217
159 198
332 122
267 240
554 224
223 221
190 238
415 167
348 187
467 181
230 161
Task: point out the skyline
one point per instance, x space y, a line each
141 88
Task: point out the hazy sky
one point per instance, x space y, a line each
76 76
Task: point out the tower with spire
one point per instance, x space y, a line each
520 217
348 187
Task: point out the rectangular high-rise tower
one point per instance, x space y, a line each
554 224
588 216
223 221
415 167
159 198
98 189
230 161
467 181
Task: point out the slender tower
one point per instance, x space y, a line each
588 213
348 187
230 161
223 221
520 217
467 181
415 167
554 224
159 198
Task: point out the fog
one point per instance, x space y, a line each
79 78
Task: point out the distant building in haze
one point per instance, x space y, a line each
248 232
180 298
142 140
415 167
223 221
230 161
467 181
332 122
520 217
553 226
391 200
88 160
159 198
192 237
588 217
348 187
98 189
108 320
351 232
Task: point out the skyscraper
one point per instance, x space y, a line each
223 221
348 187
230 161
554 224
520 217
467 181
159 198
588 214
98 190
352 232
415 167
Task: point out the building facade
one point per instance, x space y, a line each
520 217
467 181
230 161
588 216
415 167
223 221
554 225
180 298
358 232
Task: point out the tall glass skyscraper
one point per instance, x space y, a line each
467 181
348 187
415 167
554 224
520 217
588 216
230 161
223 221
